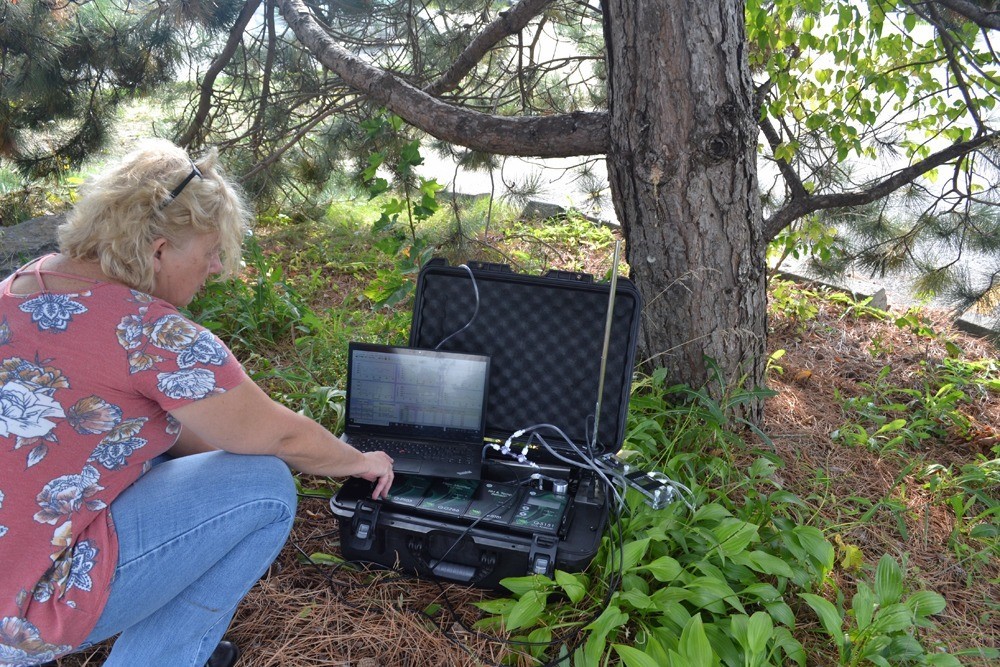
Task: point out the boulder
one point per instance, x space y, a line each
27 240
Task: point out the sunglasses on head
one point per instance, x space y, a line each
183 184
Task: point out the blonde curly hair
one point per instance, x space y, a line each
128 206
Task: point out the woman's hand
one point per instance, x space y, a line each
379 471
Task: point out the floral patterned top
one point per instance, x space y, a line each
87 380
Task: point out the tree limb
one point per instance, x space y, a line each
974 12
207 83
506 24
801 206
562 135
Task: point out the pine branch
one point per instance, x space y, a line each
561 135
506 24
804 205
196 128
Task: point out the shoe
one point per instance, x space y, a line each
225 655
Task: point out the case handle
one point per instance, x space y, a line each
458 572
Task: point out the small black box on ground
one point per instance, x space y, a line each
545 336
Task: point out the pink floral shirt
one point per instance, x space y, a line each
87 382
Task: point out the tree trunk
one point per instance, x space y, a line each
682 169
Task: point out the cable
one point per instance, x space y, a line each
475 312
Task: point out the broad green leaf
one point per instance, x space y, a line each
694 646
540 638
738 629
633 657
590 654
710 593
829 617
781 613
894 425
863 604
633 553
572 584
734 536
610 618
765 563
664 568
925 603
636 599
791 647
527 610
894 618
815 545
521 585
499 607
759 631
888 581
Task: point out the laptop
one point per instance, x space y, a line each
425 408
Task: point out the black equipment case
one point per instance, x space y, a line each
546 337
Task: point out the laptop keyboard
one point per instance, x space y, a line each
427 451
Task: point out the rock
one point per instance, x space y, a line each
879 300
27 240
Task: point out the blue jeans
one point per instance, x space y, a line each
195 534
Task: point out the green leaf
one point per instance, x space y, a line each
694 645
521 585
633 657
791 647
863 604
893 618
734 535
527 610
664 568
759 631
925 603
781 613
611 618
572 584
326 559
633 553
829 617
590 654
499 607
888 581
766 563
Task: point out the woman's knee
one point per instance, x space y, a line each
255 479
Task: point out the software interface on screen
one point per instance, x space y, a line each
420 389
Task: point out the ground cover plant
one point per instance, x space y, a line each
858 526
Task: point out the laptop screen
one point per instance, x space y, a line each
406 392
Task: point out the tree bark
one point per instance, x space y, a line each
682 170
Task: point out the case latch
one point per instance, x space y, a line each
542 555
364 522
494 267
576 276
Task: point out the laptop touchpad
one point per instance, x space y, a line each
406 466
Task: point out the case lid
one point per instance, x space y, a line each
545 336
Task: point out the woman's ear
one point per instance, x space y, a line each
157 249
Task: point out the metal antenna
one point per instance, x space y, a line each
607 339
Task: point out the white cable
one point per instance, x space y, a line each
475 312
